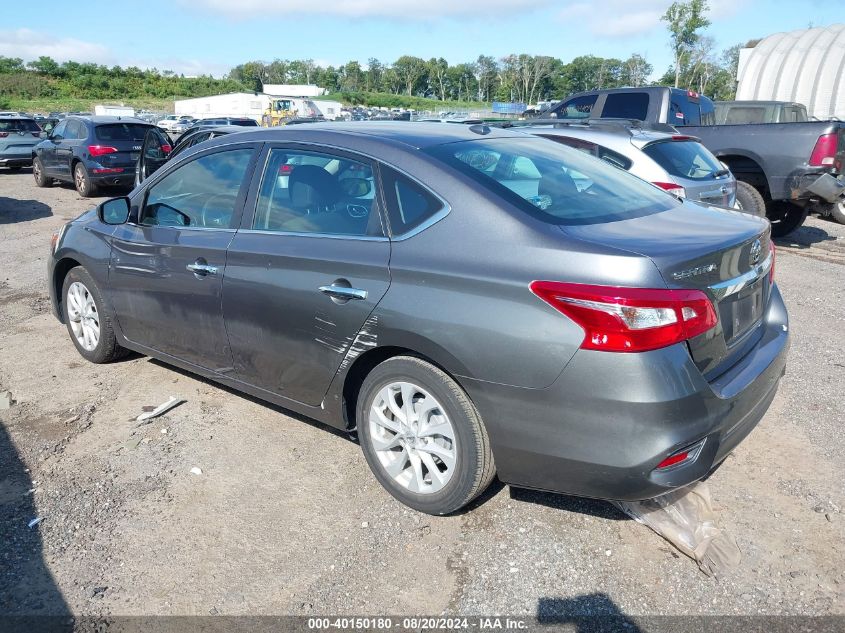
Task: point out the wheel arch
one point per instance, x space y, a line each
747 168
369 360
60 272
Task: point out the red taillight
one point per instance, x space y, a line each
772 269
618 319
100 150
824 153
688 454
285 170
692 93
108 170
166 149
672 188
4 134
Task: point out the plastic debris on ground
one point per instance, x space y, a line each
196 470
6 400
159 410
685 517
34 522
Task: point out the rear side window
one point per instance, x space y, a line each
409 204
599 151
75 130
202 193
18 125
121 132
626 105
563 187
684 159
577 107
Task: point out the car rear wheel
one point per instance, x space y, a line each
422 437
41 180
749 200
83 183
90 328
785 216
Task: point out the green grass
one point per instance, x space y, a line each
63 104
387 100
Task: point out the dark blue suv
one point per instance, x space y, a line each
91 152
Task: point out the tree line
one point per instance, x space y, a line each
518 78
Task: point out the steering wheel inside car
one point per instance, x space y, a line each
217 218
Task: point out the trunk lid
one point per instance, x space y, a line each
723 253
126 138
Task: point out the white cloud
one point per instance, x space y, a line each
30 45
623 18
400 9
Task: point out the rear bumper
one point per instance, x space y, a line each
22 160
607 422
124 179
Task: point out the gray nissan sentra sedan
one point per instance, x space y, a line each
474 302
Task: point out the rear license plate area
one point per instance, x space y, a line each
744 311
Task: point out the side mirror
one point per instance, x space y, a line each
114 211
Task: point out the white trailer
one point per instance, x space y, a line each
329 109
235 104
114 110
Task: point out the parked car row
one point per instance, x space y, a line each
779 162
488 302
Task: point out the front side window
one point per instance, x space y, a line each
202 193
577 107
563 186
685 159
313 192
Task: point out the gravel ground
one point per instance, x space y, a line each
286 518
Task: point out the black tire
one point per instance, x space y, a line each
82 181
785 217
106 349
474 468
41 180
749 200
838 212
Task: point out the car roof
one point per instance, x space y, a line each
108 119
614 136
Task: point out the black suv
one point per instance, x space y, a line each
91 152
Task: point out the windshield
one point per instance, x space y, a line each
685 159
18 125
552 182
122 132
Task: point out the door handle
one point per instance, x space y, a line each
343 292
202 269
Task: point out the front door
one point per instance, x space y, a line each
48 150
167 266
305 271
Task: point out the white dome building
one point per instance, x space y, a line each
806 66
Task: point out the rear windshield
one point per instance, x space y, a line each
244 122
122 132
685 159
18 125
552 182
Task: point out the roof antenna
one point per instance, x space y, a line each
480 129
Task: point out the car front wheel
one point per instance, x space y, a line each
422 437
90 328
41 179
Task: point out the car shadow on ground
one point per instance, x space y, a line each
588 613
581 505
104 193
804 237
27 587
13 211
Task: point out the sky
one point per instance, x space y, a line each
210 36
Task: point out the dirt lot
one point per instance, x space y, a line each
286 518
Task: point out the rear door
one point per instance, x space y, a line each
74 136
155 150
167 265
305 271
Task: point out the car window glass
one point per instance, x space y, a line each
73 131
312 192
122 132
577 107
572 188
201 193
18 125
684 159
409 204
625 105
59 130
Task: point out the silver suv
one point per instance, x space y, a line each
675 162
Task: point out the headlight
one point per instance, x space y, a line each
57 238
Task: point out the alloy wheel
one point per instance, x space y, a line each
83 316
413 437
80 179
